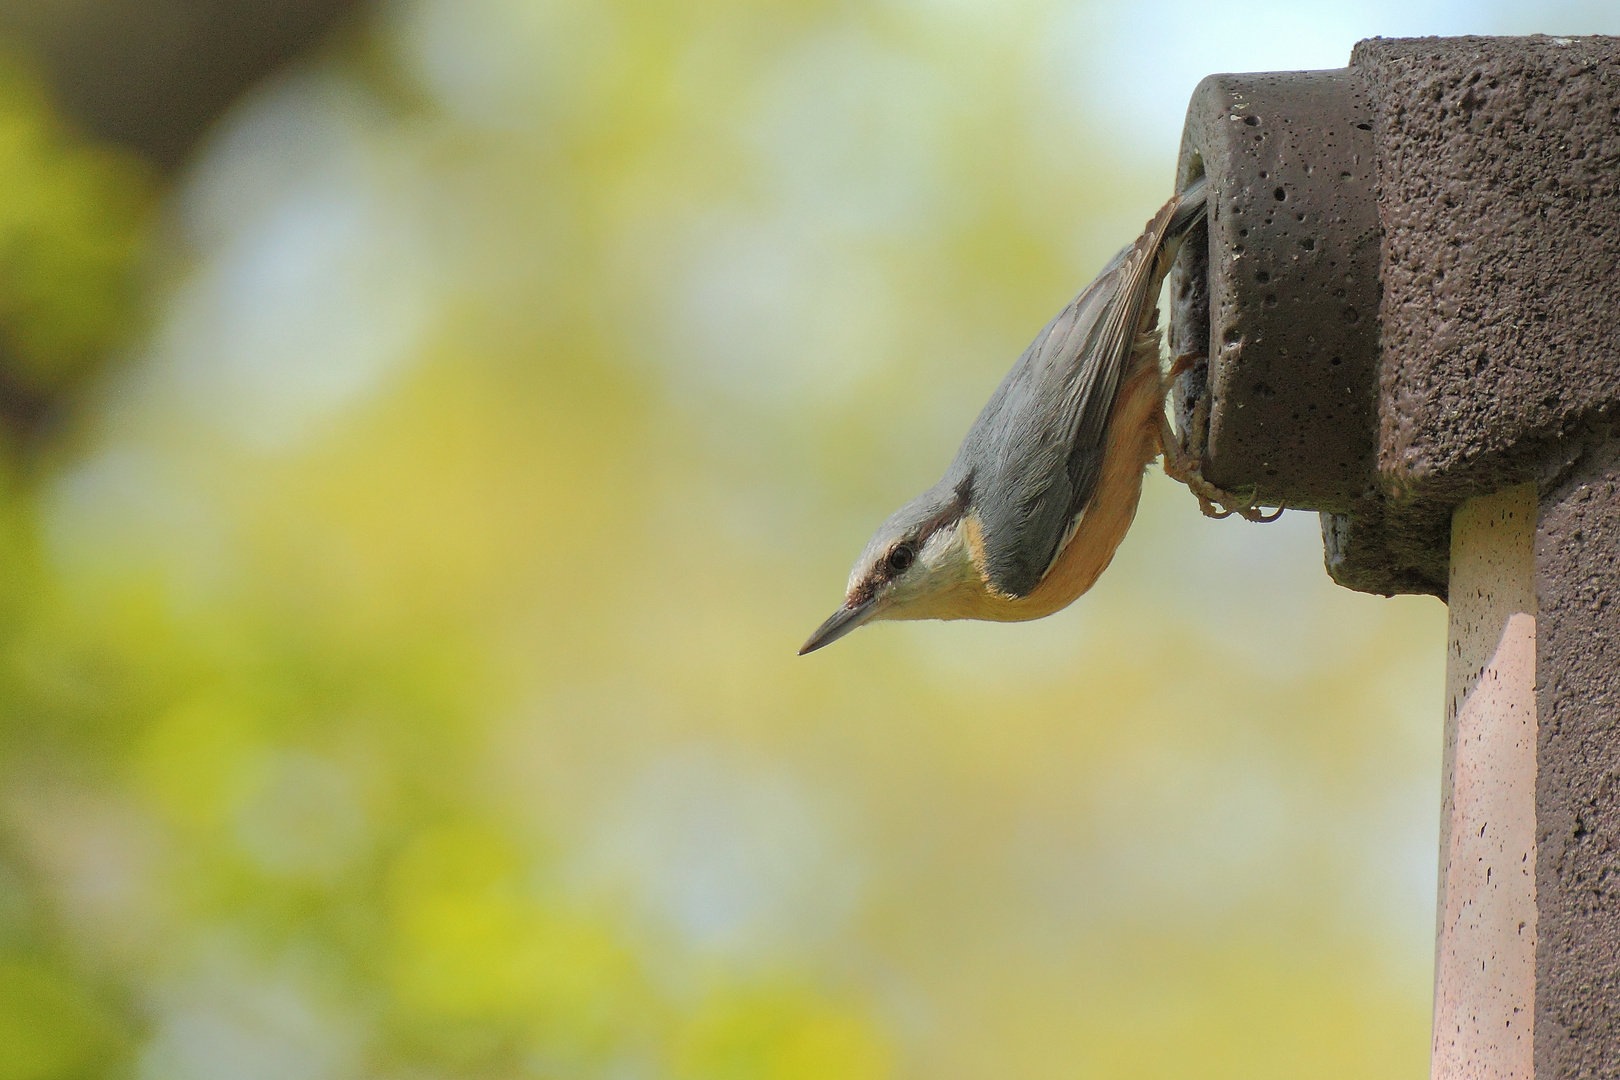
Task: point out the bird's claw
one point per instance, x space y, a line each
1181 365
1216 502
1185 465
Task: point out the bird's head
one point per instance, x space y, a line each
925 562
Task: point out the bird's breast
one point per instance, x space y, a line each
1133 442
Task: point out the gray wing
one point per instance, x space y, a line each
1035 453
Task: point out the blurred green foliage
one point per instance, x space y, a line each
72 224
50 1026
398 673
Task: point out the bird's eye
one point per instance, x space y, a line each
901 557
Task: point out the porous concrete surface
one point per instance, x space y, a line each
1578 779
1499 202
1497 284
1290 319
1387 548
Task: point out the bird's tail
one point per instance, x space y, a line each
1191 206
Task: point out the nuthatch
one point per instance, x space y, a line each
1047 480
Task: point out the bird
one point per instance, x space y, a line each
1046 482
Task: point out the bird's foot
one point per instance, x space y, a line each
1186 466
1217 502
1181 365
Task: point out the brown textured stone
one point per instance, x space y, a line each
1289 320
1578 772
1498 171
1493 259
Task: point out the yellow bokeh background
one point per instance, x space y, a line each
397 646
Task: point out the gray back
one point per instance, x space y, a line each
1033 457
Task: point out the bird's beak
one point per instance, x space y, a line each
842 622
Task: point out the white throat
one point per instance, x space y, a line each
938 583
